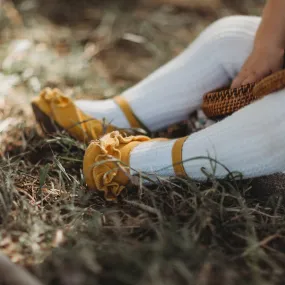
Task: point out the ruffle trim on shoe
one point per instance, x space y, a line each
106 163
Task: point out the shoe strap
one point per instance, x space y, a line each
177 161
126 109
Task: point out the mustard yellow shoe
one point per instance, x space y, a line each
106 163
53 111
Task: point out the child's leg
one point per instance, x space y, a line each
173 91
251 141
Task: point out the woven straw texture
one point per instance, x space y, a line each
223 102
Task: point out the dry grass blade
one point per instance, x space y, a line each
169 231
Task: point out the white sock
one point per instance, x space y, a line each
104 109
251 141
173 91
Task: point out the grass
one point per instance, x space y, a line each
175 232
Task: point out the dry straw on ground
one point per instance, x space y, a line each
176 232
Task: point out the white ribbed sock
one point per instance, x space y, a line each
173 91
251 141
152 156
104 109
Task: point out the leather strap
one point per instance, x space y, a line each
126 109
177 157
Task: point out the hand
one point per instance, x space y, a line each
259 64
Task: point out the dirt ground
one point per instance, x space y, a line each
176 232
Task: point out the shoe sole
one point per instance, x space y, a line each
47 125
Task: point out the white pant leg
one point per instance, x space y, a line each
176 89
251 141
173 91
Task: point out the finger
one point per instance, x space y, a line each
243 73
250 79
255 76
238 80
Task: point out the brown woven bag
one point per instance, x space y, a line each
220 103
